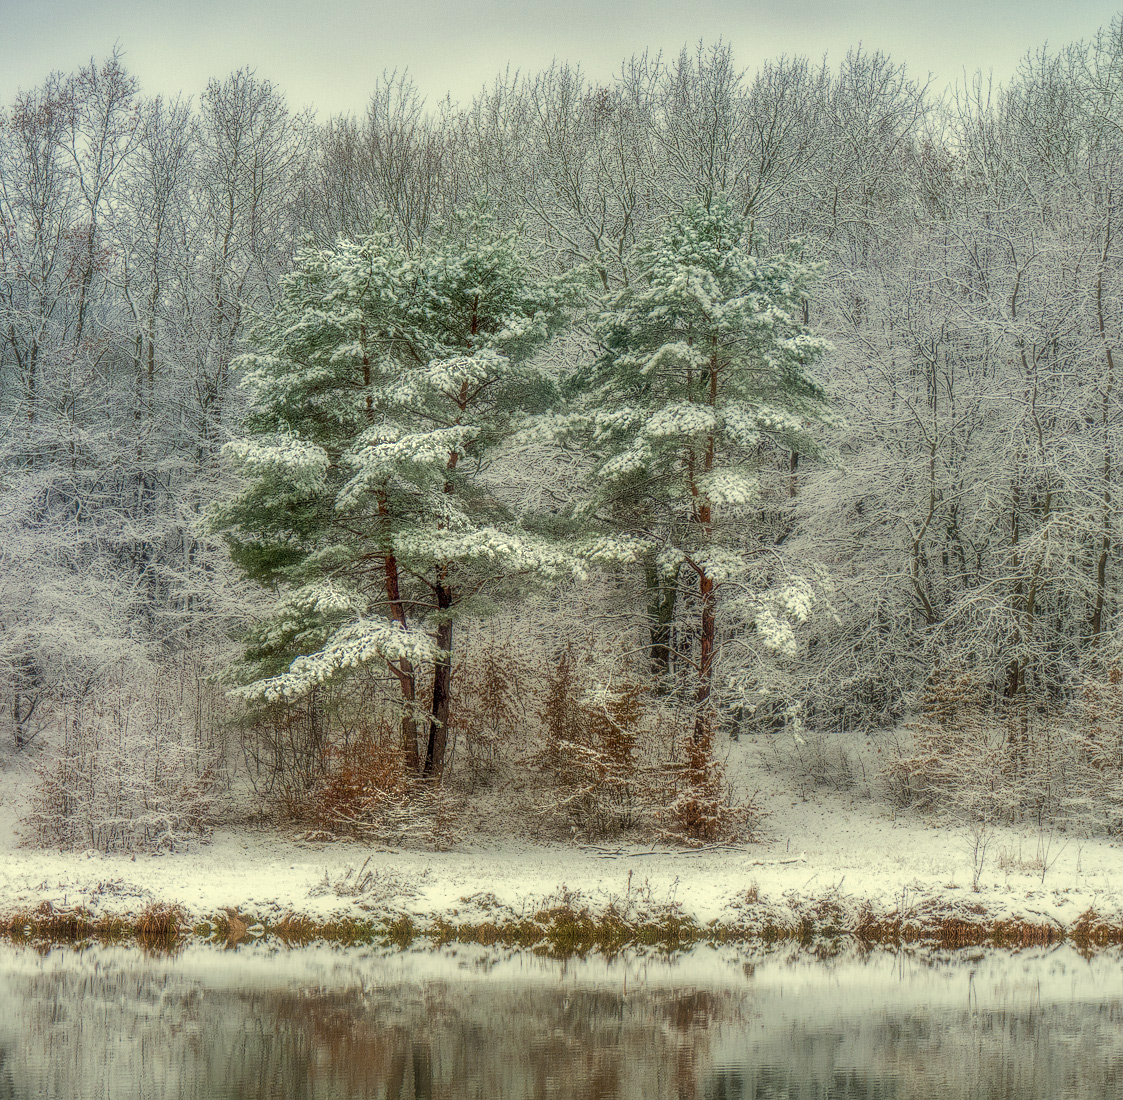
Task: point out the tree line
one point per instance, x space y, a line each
952 508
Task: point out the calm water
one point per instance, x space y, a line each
317 1023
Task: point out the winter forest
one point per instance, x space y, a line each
493 467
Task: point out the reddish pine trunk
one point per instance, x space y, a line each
703 515
404 668
442 667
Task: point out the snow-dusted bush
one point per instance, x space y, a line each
135 767
619 759
698 806
497 683
968 759
368 791
593 736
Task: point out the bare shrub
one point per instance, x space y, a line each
952 748
373 885
367 791
1097 745
286 744
1100 727
492 708
623 760
283 744
980 834
826 759
1017 761
134 769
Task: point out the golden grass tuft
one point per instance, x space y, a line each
1091 932
161 921
295 931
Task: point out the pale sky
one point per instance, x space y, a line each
328 53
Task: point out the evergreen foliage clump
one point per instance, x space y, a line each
704 373
380 387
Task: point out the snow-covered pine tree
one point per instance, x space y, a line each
704 362
382 386
312 380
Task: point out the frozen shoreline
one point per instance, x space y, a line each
841 857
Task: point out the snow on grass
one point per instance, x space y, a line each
815 846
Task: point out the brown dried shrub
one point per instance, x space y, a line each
491 712
362 779
592 751
622 760
700 807
368 791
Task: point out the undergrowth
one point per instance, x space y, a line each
564 926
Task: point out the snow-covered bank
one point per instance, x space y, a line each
835 856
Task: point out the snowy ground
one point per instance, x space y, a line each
815 844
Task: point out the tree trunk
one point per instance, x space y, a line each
1018 734
1105 426
442 689
403 668
703 516
704 713
661 600
442 667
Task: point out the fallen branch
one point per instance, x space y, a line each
615 853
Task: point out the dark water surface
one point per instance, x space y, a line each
116 1024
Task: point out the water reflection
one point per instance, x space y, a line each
112 1023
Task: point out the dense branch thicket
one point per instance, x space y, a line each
951 527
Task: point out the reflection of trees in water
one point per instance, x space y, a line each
7 1081
452 1041
123 1028
1064 1052
124 1033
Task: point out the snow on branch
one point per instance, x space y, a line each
320 599
304 464
517 553
377 461
729 487
354 645
680 418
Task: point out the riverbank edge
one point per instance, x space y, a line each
568 929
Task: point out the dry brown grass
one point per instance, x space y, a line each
294 930
566 926
158 927
1091 931
160 921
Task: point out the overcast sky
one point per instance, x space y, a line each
327 53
